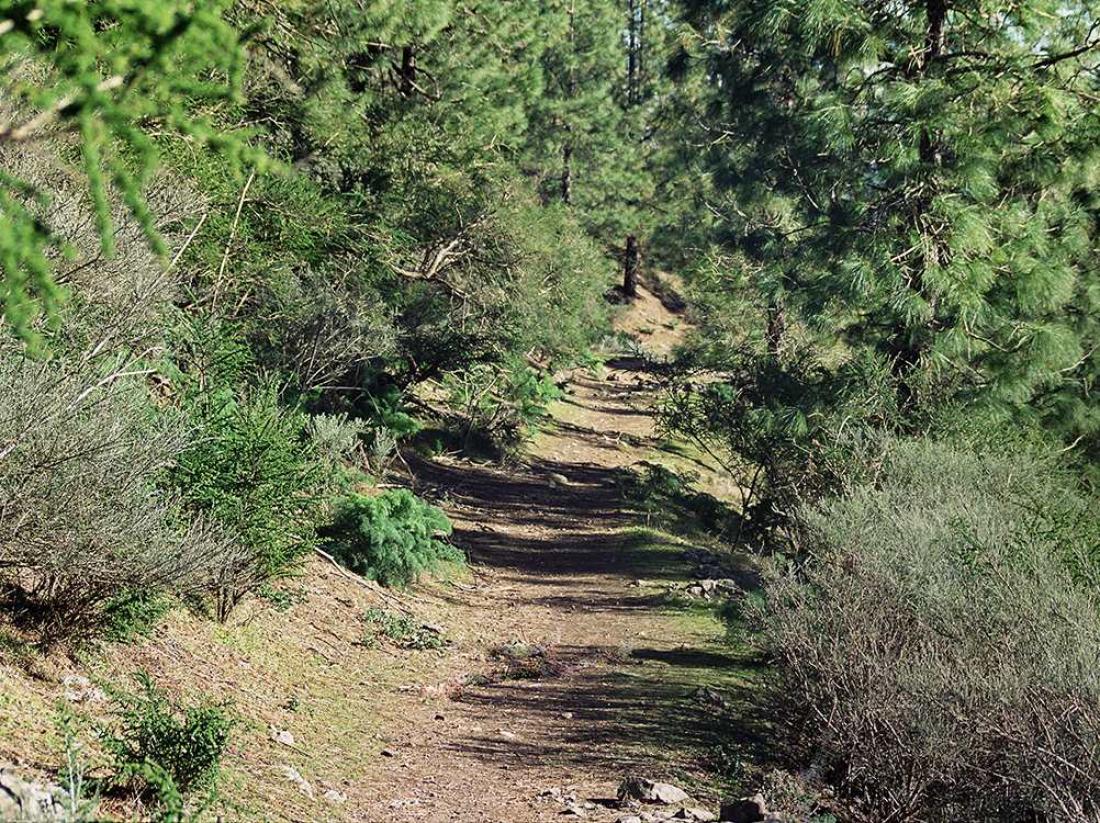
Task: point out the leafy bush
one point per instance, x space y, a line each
793 429
133 614
936 655
391 538
82 521
500 403
165 749
253 470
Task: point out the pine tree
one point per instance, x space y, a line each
101 69
918 178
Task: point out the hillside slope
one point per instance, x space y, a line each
567 664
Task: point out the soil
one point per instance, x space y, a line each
567 574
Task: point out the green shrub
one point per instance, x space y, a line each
936 655
166 750
391 538
133 614
791 429
499 403
402 630
251 468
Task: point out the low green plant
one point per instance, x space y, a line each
252 469
393 537
166 750
500 403
134 614
401 630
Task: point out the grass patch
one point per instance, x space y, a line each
401 630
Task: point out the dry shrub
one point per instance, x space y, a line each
81 519
937 656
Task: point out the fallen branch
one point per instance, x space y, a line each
369 585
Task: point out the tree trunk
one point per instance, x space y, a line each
910 345
631 263
570 92
408 70
567 172
777 327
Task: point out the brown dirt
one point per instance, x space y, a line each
603 682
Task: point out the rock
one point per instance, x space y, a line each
295 777
696 591
630 818
334 796
281 736
746 810
440 717
567 715
574 811
27 800
555 479
79 689
387 753
696 813
649 791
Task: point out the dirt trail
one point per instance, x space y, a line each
567 569
602 680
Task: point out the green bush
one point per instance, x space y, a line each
166 750
791 429
252 468
391 538
499 403
936 654
133 614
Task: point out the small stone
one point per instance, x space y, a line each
649 791
574 811
696 813
79 689
440 717
295 777
630 818
334 796
387 753
507 735
282 736
567 715
745 810
28 800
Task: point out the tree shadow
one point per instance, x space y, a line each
656 715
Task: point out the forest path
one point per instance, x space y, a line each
572 667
